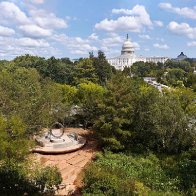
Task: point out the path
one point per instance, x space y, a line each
71 164
152 81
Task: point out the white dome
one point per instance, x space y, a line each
127 47
127 44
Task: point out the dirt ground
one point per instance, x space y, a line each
71 165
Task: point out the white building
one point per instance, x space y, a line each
128 57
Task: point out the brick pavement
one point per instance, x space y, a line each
71 164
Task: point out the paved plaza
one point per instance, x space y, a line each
72 164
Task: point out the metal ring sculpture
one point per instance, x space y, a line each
61 128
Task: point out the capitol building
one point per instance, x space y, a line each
128 57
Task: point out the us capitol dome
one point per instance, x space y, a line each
127 47
128 56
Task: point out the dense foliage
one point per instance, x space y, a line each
94 69
120 174
127 114
172 73
26 101
135 115
17 179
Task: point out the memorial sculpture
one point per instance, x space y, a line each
56 141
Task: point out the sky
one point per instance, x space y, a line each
73 28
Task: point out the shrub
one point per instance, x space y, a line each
119 174
48 178
14 180
18 179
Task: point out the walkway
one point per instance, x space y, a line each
152 81
71 164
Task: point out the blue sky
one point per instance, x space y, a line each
73 28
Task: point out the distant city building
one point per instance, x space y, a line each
128 57
182 57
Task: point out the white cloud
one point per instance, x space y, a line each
93 36
191 44
75 45
36 23
112 40
122 11
11 47
47 20
160 39
26 29
35 31
158 23
182 29
37 1
82 51
146 49
136 45
32 43
5 31
105 49
185 11
144 36
133 21
161 46
9 12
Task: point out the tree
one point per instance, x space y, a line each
38 102
144 69
185 65
28 61
59 70
90 95
85 72
186 97
175 77
140 69
67 61
68 102
14 144
102 68
91 55
116 113
127 71
147 95
170 126
191 81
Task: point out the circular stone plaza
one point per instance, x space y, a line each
57 141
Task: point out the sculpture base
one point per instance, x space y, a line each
60 148
68 142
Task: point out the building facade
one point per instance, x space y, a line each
182 57
128 57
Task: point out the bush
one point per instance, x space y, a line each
106 181
119 174
18 179
48 178
14 180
